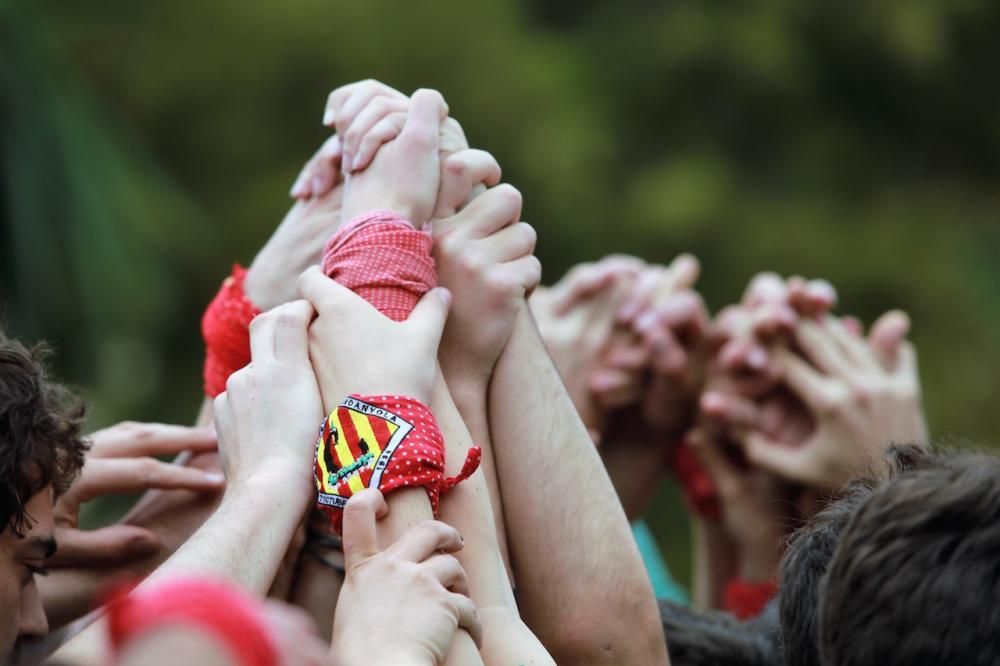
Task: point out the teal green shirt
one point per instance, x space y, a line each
664 584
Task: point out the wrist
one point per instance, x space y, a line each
284 488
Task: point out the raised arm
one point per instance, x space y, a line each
557 492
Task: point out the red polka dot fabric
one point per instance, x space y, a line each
383 259
225 327
417 461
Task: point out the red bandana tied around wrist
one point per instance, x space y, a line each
383 259
226 329
220 609
697 486
747 600
385 442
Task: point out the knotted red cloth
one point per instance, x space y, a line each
226 330
383 259
697 486
747 600
385 442
232 617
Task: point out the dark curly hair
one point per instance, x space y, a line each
41 441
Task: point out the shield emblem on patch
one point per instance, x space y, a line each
354 448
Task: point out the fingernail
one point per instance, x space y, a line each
298 188
215 478
757 359
445 295
645 322
345 163
329 117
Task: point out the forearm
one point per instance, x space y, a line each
557 492
469 396
715 562
467 508
244 541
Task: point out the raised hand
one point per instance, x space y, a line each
357 349
484 256
405 173
268 416
415 588
860 404
298 241
121 462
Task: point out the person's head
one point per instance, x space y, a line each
41 451
810 550
915 577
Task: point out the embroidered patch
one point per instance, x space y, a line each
355 445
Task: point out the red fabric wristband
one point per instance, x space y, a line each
226 330
747 600
385 442
219 608
697 486
383 259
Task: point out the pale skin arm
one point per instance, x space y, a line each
557 492
266 460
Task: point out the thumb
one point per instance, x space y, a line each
781 459
431 313
887 334
360 514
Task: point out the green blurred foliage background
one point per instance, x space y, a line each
145 146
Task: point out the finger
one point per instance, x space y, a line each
727 414
786 461
360 514
820 346
585 280
461 172
526 272
853 325
113 545
423 122
684 313
488 213
629 356
385 131
447 569
510 243
373 112
773 320
886 336
321 172
151 439
468 618
812 298
744 356
291 337
119 476
642 294
326 295
765 288
262 330
684 271
431 313
614 389
344 103
854 348
813 388
426 539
